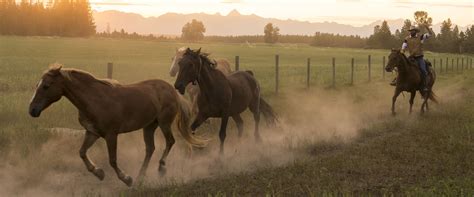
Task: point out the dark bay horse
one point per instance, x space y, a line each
107 109
222 96
192 89
409 79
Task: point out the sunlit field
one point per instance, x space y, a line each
330 139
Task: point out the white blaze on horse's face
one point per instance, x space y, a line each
36 90
174 64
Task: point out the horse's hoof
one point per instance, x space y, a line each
128 180
99 173
162 170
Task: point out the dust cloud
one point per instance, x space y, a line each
306 118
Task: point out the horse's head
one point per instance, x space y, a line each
174 61
48 90
393 60
189 68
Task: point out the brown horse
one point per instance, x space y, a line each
107 109
409 79
222 96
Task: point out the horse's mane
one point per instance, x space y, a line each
205 58
410 63
71 74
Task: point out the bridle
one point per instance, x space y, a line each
198 74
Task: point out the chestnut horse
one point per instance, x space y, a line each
222 96
193 90
107 109
409 79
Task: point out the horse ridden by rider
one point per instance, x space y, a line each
414 43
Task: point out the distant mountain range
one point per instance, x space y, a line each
233 23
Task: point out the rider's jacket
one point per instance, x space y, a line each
414 45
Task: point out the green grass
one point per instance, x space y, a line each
430 155
390 156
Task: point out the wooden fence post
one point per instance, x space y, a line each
457 64
462 64
452 64
369 66
237 63
447 65
277 62
352 71
308 70
434 64
110 69
333 72
383 67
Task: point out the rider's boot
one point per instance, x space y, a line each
425 84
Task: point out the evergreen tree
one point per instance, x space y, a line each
59 18
382 37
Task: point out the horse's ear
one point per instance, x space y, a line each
55 69
198 51
188 50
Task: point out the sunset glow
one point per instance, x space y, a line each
354 12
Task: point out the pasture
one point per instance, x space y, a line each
330 139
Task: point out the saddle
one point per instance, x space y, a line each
427 63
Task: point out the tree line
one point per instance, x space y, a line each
450 39
72 18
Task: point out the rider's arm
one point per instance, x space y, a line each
427 35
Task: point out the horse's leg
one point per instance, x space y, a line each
111 140
200 118
412 97
240 124
394 99
222 132
149 138
166 129
256 117
425 101
89 140
427 108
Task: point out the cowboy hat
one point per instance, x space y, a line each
413 28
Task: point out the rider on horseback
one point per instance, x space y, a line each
414 44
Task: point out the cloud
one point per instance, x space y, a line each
231 1
407 3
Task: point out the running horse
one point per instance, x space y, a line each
222 96
193 89
107 109
409 79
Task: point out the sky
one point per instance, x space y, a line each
353 12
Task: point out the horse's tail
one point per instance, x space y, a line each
184 122
268 112
432 96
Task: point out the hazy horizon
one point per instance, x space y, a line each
351 12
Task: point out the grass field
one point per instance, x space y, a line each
329 140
